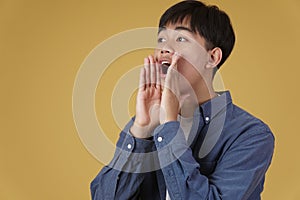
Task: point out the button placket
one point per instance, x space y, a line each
207 119
159 139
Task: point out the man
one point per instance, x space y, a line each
188 141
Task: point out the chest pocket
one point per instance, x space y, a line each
207 167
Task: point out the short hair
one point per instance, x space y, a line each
209 22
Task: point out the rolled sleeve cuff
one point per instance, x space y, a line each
168 134
129 143
170 142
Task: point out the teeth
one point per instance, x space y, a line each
165 63
164 66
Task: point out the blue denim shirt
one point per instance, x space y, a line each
226 156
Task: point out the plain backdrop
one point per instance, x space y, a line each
42 45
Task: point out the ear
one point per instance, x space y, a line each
215 57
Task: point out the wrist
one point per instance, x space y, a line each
139 131
169 120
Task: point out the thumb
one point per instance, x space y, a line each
175 58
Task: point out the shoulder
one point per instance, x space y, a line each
246 126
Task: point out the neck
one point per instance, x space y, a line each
203 92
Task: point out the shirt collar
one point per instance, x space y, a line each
214 106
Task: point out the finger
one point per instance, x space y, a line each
158 79
147 71
172 72
152 71
171 78
142 82
175 58
172 82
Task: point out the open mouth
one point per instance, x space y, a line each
164 66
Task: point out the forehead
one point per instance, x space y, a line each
180 23
184 26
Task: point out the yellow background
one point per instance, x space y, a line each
43 43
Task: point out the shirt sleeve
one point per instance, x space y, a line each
123 177
236 175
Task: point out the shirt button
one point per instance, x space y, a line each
159 139
129 146
207 119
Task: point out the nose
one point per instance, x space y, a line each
166 50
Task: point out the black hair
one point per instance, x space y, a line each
209 22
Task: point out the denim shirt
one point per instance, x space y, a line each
226 156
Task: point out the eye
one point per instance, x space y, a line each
181 39
160 40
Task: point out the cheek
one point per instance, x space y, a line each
188 69
189 72
196 56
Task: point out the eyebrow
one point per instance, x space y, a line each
178 28
183 28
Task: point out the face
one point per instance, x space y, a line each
194 57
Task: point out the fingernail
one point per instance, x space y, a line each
177 54
175 57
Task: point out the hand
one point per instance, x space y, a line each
148 100
170 104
